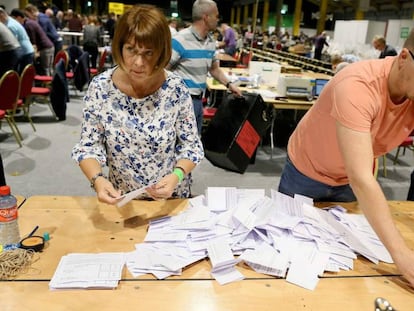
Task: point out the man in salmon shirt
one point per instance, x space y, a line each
365 111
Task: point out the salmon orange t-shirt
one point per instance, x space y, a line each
358 98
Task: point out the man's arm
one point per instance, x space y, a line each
219 75
356 150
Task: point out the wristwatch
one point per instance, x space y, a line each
95 177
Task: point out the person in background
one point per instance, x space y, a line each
74 24
91 39
27 50
10 50
365 111
339 61
229 39
320 42
380 44
40 41
110 24
193 55
138 118
44 21
56 22
172 23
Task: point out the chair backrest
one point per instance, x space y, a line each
62 54
9 90
26 80
102 60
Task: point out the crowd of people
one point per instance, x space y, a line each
142 117
31 36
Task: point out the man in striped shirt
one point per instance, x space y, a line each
193 55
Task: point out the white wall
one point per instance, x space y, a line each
393 35
375 28
357 31
10 4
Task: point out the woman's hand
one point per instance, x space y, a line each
164 188
106 192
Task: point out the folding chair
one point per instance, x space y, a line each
26 85
9 90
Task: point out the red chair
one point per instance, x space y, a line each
101 65
245 59
208 114
26 85
62 54
9 90
36 92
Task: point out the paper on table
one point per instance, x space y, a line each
102 270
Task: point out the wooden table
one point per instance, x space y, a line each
226 60
81 224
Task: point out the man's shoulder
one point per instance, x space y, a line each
183 34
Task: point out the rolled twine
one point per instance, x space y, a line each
15 261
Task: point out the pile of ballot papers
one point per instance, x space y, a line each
280 236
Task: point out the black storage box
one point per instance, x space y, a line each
232 136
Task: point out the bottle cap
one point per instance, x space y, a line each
46 236
4 190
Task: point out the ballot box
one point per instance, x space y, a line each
233 135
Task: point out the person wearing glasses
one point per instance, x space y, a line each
138 117
364 111
193 55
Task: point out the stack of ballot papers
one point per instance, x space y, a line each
279 235
82 271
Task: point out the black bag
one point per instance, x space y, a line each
232 136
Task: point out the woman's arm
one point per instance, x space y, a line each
105 191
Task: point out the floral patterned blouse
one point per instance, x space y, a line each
140 140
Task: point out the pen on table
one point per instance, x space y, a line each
33 231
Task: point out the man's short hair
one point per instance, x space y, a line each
17 13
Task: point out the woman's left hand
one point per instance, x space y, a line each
164 188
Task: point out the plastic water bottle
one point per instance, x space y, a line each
9 227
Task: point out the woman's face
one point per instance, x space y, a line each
139 61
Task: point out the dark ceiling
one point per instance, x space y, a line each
335 5
372 5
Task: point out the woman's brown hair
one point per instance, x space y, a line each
147 26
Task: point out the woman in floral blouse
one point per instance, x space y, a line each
138 117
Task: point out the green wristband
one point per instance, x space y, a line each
179 173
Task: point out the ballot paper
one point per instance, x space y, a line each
124 199
279 235
88 271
